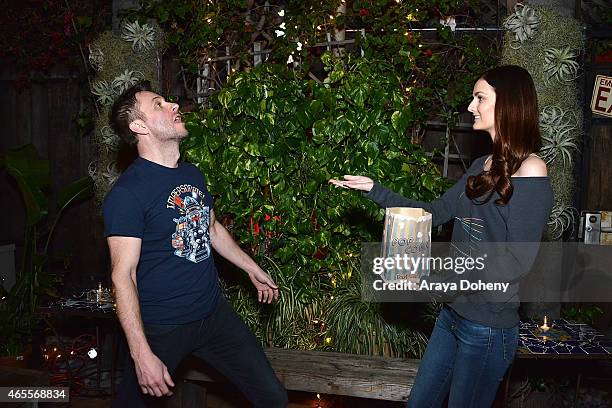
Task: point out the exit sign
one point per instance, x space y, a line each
601 103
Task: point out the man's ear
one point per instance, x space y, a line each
138 126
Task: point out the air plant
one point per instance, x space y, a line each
126 79
91 169
560 63
142 37
111 174
96 58
562 217
557 135
523 23
559 144
109 139
104 92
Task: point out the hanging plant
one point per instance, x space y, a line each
559 63
523 23
142 37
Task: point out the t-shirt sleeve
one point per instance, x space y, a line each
123 214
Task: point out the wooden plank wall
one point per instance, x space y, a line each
599 196
44 114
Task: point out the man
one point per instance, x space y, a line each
160 226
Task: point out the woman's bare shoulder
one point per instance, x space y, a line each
532 166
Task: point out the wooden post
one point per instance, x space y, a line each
340 35
363 38
228 62
257 56
202 83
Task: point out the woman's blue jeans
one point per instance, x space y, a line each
465 361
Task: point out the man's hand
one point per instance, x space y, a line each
153 375
266 288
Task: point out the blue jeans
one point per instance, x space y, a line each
465 361
225 343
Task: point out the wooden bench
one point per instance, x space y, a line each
380 378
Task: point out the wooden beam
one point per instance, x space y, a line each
381 378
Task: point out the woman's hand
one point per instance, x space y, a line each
355 182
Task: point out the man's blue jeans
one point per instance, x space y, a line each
222 340
465 361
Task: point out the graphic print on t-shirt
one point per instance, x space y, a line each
191 239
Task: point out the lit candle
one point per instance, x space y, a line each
545 326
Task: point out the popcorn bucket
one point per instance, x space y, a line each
407 235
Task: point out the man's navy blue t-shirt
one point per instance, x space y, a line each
169 209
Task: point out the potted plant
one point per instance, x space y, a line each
18 306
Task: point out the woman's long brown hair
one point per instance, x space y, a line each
517 132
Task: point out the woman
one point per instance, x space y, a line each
505 197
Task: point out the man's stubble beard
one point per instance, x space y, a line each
169 133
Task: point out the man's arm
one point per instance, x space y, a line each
153 376
225 245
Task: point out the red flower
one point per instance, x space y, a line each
256 229
364 12
428 52
267 218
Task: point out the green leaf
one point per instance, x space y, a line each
304 116
163 15
400 121
225 97
32 175
78 190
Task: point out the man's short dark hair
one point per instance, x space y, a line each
125 111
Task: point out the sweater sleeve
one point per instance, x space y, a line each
442 209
